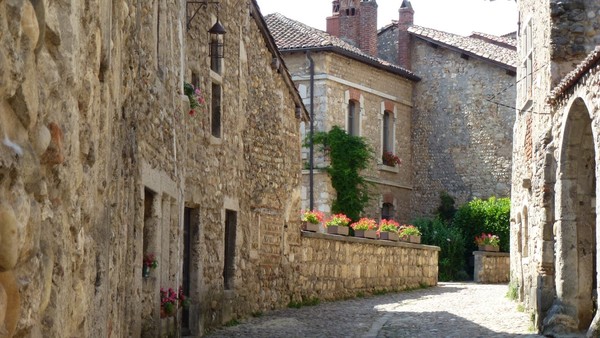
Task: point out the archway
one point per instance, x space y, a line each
576 218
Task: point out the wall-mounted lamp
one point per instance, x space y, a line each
192 7
216 42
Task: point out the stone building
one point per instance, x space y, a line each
100 164
364 95
463 110
451 97
554 241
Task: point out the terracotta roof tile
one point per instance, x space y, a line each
468 45
573 77
501 41
293 35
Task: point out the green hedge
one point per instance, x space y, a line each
489 216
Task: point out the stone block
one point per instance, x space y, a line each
9 238
13 301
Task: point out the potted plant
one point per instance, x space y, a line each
338 225
169 302
365 227
194 96
388 230
311 220
488 242
410 233
150 263
388 158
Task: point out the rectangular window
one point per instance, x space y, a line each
216 110
353 118
230 235
527 63
388 132
216 49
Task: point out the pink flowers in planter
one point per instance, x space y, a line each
339 220
388 225
313 216
364 224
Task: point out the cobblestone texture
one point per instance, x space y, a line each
449 310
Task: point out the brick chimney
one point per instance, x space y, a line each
404 46
355 22
367 40
333 21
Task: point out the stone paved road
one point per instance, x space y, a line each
449 310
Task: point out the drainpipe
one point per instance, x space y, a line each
312 131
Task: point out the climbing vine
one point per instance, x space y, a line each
348 156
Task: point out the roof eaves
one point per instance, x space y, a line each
338 50
574 76
287 77
466 52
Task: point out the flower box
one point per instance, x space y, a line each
366 233
414 239
488 247
338 230
389 236
307 226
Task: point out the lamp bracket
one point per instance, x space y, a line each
192 7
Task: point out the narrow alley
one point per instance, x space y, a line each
448 310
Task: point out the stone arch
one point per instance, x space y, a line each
576 219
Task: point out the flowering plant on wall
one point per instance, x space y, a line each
487 239
313 216
364 224
169 301
388 225
390 159
150 263
339 220
408 230
195 97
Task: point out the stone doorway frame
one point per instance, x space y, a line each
576 219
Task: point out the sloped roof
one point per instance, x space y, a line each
502 41
291 35
287 77
476 47
573 77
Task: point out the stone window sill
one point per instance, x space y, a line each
392 169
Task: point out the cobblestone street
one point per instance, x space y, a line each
449 310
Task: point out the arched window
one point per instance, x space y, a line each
387 211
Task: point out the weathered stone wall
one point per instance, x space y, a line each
335 267
491 267
544 216
78 86
461 142
337 79
253 169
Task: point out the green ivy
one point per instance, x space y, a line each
348 155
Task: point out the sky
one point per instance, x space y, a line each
454 16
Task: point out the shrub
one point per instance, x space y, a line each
452 245
446 209
489 216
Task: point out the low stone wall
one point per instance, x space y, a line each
491 267
334 267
